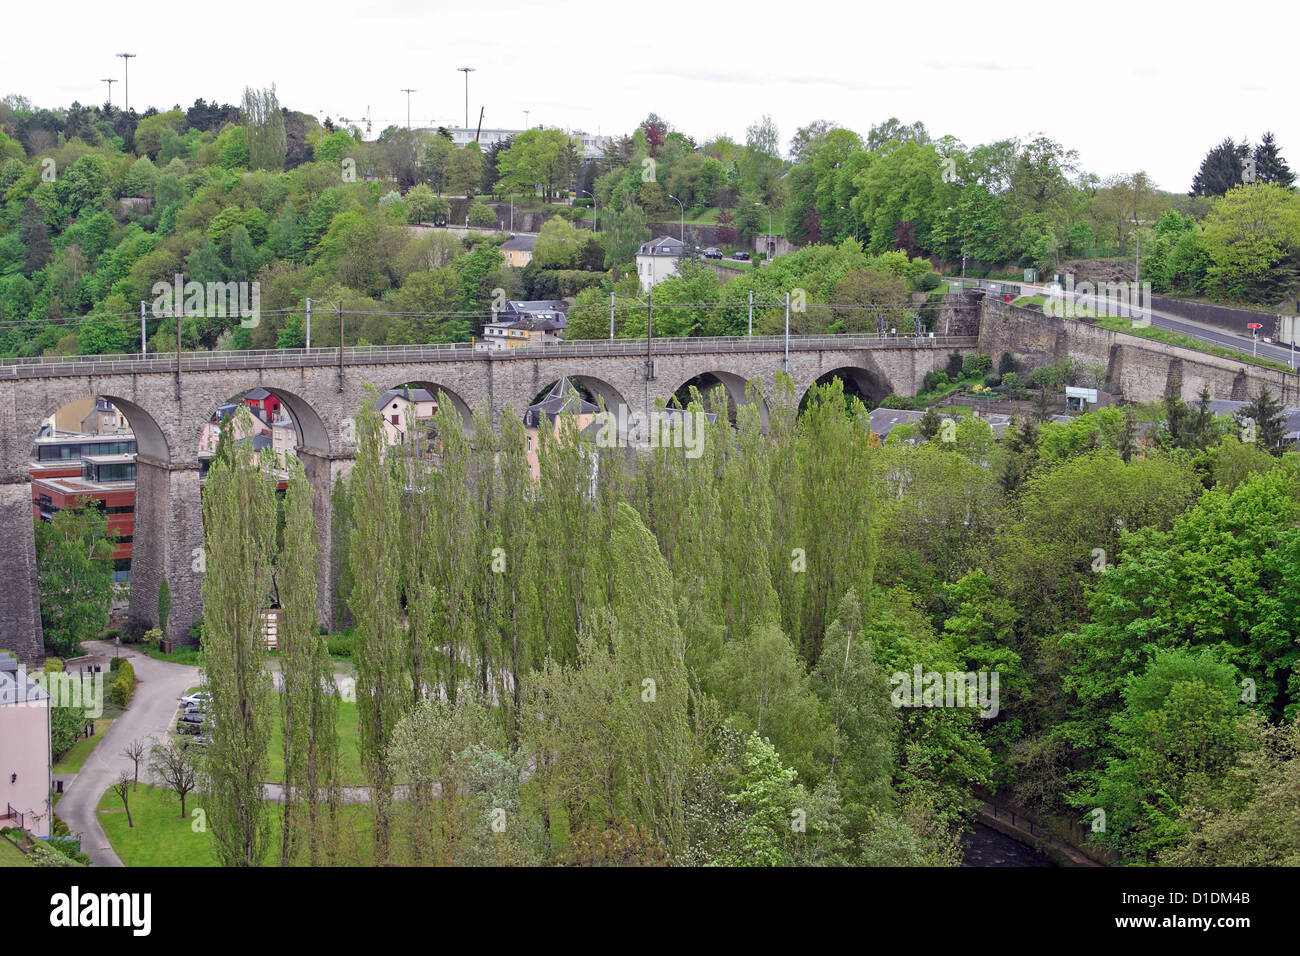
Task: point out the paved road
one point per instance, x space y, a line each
158 686
1185 326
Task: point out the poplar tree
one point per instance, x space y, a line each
382 663
309 702
239 523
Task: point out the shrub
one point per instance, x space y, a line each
481 214
341 645
928 281
954 367
196 632
113 664
992 380
933 380
154 636
120 693
897 401
53 665
1006 364
976 364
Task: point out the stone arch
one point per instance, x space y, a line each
458 402
735 387
598 388
869 384
150 441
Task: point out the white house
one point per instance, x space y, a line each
657 259
24 750
393 405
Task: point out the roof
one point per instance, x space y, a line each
663 246
407 394
257 394
16 685
885 420
520 243
562 399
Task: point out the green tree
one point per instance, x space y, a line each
74 566
239 520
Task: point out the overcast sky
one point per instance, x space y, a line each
1130 86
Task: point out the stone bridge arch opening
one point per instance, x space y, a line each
282 422
865 384
86 453
735 390
590 388
458 403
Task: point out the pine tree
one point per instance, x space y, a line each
1270 167
1221 169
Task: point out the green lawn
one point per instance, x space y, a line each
349 752
185 654
161 837
75 759
10 855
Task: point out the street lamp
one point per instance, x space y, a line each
595 222
408 91
110 90
769 228
683 209
467 70
126 74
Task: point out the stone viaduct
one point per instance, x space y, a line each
167 405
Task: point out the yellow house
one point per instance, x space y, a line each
518 250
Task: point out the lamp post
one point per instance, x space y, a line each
126 75
683 209
769 228
408 91
110 90
595 222
467 70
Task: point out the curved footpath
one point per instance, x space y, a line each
158 687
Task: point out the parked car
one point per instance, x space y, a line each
712 253
197 699
191 719
742 256
186 728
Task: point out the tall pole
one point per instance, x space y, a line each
751 312
143 349
611 315
467 70
408 91
683 209
340 345
126 75
110 89
309 322
787 333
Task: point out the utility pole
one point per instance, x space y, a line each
340 345
751 312
110 89
143 349
309 322
787 333
526 112
611 315
126 75
467 70
408 91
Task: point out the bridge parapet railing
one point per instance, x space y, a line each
101 365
